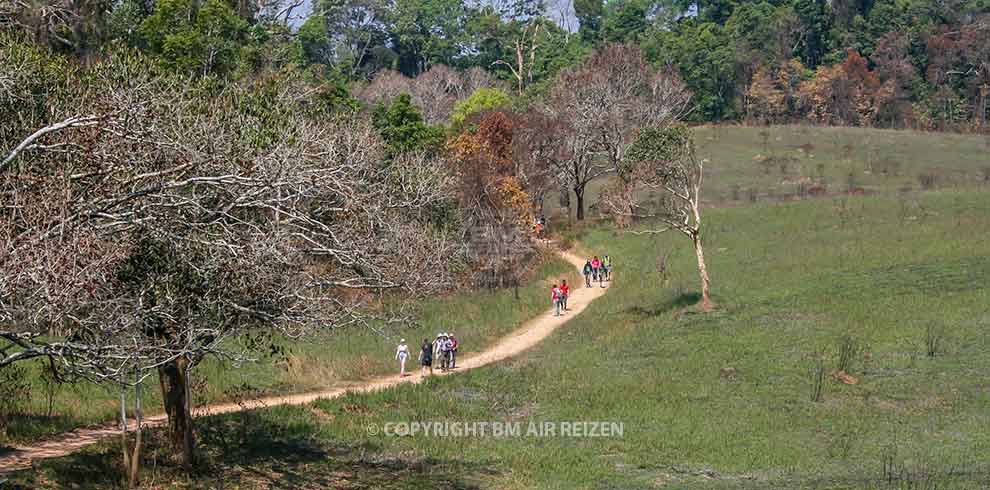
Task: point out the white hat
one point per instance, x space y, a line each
403 340
439 335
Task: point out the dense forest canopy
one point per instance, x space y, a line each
890 63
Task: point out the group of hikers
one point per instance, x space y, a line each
443 349
594 269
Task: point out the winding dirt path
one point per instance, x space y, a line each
527 335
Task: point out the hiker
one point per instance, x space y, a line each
565 291
453 351
448 351
607 264
438 351
596 268
555 298
402 353
587 274
426 356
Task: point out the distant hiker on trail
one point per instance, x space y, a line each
448 347
607 267
565 291
426 356
453 351
587 274
438 351
402 353
555 298
596 268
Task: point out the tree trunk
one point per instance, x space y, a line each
132 457
174 381
625 215
706 283
579 192
133 476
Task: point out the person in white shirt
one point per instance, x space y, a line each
402 353
438 351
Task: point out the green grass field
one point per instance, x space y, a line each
881 277
338 359
748 165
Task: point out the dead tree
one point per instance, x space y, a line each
524 47
664 160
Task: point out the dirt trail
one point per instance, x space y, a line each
527 335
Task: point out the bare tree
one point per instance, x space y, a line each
182 224
536 150
524 47
435 91
664 160
603 102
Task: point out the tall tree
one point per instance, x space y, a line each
664 160
589 14
196 216
624 21
605 100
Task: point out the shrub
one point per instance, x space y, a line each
15 390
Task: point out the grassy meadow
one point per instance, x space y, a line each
477 318
747 165
891 286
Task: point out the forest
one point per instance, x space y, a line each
920 64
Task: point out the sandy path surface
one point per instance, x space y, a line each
527 335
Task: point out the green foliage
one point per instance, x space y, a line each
195 39
482 100
15 391
625 20
717 46
313 41
589 14
659 144
427 32
403 129
332 97
704 55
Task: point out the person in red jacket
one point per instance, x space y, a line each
565 291
596 268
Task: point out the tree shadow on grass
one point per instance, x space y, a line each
277 449
680 302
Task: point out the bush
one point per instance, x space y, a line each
15 391
482 100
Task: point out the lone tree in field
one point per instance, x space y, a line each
148 222
602 103
664 160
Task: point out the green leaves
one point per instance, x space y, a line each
659 144
401 126
483 99
195 39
